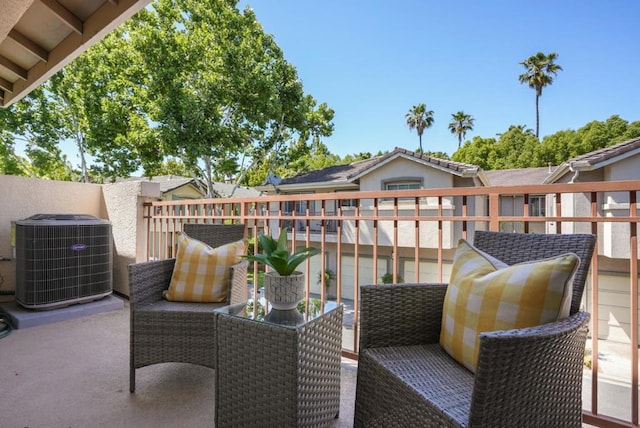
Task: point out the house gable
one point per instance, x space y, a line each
455 168
619 161
373 173
401 169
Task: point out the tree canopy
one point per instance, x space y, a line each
518 147
195 80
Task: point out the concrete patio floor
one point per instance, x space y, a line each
75 373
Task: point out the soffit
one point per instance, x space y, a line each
39 37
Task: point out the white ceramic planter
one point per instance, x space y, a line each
284 292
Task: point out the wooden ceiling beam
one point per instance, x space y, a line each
6 85
13 67
29 45
68 18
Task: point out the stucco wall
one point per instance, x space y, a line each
123 202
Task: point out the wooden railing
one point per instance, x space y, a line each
412 235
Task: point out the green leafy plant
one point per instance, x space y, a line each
277 255
329 275
387 278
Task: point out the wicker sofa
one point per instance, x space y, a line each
164 331
530 377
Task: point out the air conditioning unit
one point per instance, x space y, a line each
62 259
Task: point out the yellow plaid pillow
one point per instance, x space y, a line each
201 273
485 294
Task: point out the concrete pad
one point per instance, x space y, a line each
24 318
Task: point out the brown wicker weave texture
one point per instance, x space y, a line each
274 376
528 377
163 331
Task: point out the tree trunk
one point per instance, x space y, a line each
537 117
207 168
83 161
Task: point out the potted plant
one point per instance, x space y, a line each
284 285
329 277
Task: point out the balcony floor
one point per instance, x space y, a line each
75 373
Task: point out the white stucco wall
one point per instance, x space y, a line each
616 204
123 204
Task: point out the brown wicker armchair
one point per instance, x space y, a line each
164 331
529 377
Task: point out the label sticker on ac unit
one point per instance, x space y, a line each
79 247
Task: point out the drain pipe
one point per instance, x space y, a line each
575 171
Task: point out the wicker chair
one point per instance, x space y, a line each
530 377
163 331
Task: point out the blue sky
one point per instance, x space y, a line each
371 61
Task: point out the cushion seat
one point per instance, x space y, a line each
166 305
428 373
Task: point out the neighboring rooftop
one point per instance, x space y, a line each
334 173
351 172
596 159
221 190
624 149
518 177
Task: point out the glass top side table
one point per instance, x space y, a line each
281 368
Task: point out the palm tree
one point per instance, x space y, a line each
420 119
460 124
540 71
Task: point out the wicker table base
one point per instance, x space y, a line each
275 375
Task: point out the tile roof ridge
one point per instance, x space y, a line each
608 152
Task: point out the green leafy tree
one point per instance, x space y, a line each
437 154
318 157
632 131
419 118
460 124
540 69
557 148
479 151
516 148
356 157
220 89
90 104
36 124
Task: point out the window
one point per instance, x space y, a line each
300 207
406 184
403 185
537 206
348 203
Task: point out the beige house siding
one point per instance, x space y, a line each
183 192
613 285
614 321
